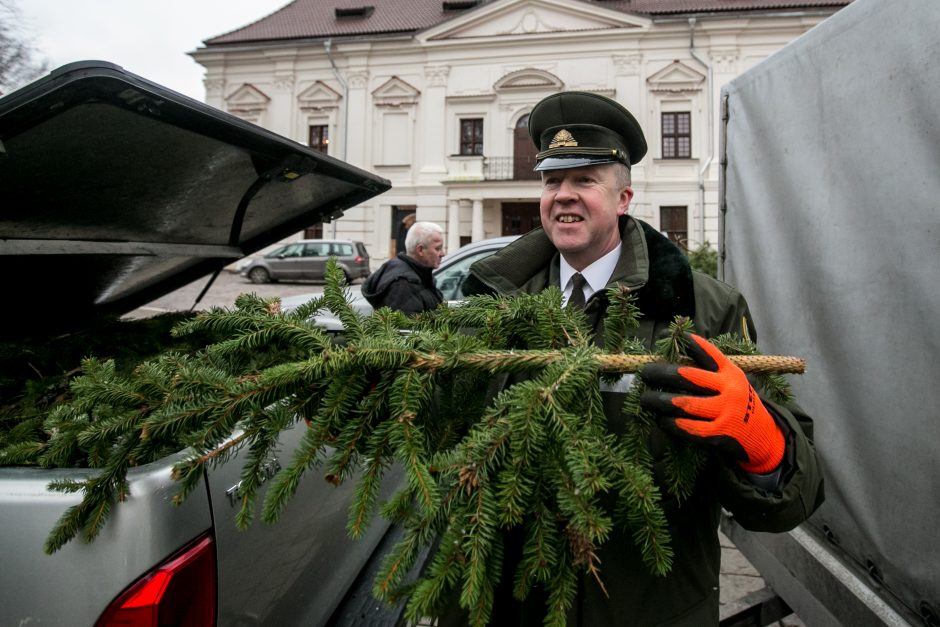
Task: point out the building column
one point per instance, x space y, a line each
631 89
453 224
433 108
214 78
476 229
283 77
355 142
282 105
215 92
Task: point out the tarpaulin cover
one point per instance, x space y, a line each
832 230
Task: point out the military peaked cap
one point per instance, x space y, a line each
573 129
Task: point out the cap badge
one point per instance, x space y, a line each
563 139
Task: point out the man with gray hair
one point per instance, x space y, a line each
406 282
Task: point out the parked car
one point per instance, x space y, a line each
455 266
306 261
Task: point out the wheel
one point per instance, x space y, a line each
259 275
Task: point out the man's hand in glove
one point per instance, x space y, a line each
714 402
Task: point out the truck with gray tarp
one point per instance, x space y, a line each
830 211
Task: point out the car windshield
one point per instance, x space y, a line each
450 278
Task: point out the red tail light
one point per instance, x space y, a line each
180 591
360 258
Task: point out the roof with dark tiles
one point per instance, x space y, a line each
303 19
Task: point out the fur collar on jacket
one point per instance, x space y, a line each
652 266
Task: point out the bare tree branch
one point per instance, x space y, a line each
20 62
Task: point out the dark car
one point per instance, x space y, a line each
306 261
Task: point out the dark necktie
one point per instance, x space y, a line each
577 291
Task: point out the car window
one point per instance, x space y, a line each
450 279
318 249
343 250
362 249
291 250
277 252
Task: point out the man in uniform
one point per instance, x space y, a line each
765 470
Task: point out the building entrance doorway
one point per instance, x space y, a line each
403 216
674 222
520 217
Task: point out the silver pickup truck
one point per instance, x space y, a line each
116 191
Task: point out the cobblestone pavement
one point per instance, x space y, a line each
738 577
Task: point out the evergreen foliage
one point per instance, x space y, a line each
492 409
704 259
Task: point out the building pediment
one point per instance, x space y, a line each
395 93
529 78
677 77
247 98
531 17
318 97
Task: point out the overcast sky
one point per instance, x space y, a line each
149 38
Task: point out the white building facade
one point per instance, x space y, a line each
441 111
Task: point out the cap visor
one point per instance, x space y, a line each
563 163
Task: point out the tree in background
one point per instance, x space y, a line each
704 259
19 61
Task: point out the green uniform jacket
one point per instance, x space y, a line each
659 273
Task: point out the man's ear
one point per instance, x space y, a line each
623 201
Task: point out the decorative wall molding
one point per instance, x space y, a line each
214 86
318 96
532 22
357 79
533 17
396 92
725 59
247 100
284 82
627 64
676 78
529 79
436 75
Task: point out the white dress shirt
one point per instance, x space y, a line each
596 275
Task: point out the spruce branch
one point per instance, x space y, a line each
490 411
539 562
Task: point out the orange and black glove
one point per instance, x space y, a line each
714 403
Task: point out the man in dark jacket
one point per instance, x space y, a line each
406 282
764 468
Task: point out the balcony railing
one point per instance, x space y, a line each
509 169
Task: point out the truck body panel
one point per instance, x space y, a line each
75 584
831 228
297 570
116 192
